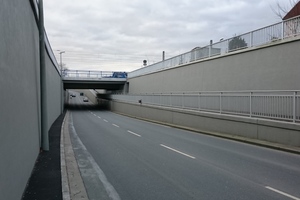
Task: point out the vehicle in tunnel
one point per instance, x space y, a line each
85 99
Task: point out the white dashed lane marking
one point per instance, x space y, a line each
116 125
133 133
187 155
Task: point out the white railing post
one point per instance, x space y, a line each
210 47
282 30
250 106
251 39
160 100
220 102
182 100
294 107
199 105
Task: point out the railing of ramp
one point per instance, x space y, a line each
275 105
87 74
267 35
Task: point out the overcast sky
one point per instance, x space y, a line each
117 35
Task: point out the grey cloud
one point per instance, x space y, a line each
140 27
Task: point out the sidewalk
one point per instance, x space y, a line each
45 180
56 175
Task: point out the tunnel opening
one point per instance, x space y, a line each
87 99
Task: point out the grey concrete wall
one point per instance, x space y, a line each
53 91
221 125
272 67
20 96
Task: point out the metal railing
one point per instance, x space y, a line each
87 74
275 105
285 29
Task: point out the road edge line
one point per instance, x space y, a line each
75 182
282 193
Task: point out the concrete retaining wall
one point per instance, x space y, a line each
54 100
20 113
271 67
260 129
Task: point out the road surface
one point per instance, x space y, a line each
125 158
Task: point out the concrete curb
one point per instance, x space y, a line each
72 183
64 177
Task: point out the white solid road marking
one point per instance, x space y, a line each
105 120
177 151
116 125
112 193
282 193
133 133
153 123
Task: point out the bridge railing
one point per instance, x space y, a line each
285 29
87 74
275 105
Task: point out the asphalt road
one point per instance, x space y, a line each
124 158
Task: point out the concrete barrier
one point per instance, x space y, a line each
283 133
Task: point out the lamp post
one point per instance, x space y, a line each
43 82
61 80
60 58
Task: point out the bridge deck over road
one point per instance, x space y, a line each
82 79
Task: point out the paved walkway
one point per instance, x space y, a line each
56 175
45 181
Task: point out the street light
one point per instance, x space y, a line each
61 81
60 56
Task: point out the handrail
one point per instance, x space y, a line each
280 105
92 74
278 31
